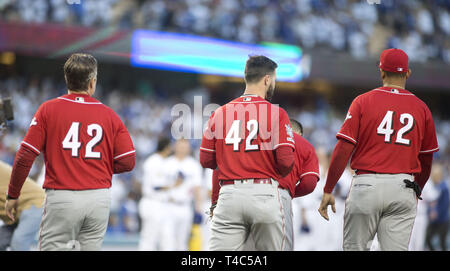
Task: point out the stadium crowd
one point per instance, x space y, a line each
148 117
421 28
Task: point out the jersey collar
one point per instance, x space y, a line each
80 98
249 98
395 90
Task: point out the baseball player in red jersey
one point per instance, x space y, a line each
392 137
301 181
251 141
304 176
83 142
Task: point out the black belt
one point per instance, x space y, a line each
362 171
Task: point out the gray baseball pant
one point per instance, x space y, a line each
257 211
379 204
74 220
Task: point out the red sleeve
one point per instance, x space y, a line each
429 142
208 159
124 164
284 158
209 139
283 135
123 145
350 129
208 145
22 165
338 163
310 162
426 161
306 185
215 186
36 136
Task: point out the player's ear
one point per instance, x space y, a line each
92 85
266 80
408 73
383 74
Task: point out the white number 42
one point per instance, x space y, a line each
385 128
233 135
72 141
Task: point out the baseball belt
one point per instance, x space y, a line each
361 172
255 181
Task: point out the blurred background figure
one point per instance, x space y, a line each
184 197
429 195
340 195
21 233
206 195
438 211
311 232
156 185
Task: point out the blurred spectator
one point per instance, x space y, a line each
438 210
420 27
184 197
429 195
155 186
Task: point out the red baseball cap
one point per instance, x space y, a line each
394 60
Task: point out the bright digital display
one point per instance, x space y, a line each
189 53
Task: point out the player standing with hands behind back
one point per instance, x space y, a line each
84 142
251 141
392 137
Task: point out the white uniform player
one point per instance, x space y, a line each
320 237
185 173
305 207
337 222
417 242
206 204
152 207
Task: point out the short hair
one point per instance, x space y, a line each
296 126
257 67
163 143
79 69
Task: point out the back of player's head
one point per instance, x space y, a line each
296 126
394 63
257 67
163 143
79 69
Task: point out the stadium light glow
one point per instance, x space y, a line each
189 53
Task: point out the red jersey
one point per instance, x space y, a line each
389 128
306 163
79 138
244 134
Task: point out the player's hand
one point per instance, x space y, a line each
11 208
211 210
327 199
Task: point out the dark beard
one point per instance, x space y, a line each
269 93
